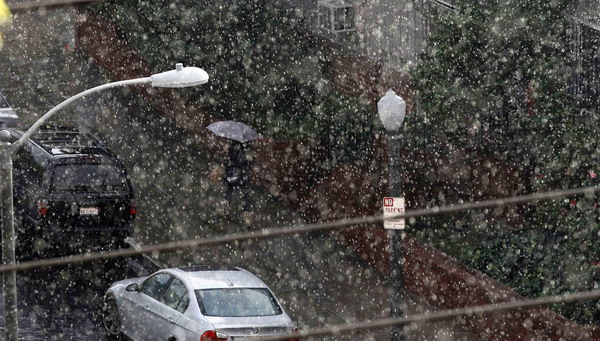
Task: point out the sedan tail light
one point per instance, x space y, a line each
42 206
211 335
294 331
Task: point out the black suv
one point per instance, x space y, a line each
69 190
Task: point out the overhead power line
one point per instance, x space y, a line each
29 6
441 315
286 230
445 5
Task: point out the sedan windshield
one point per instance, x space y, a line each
238 302
88 177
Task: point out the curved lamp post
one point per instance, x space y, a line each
392 110
181 77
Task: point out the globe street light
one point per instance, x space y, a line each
179 78
392 109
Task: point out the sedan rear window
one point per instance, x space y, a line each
3 103
237 302
88 177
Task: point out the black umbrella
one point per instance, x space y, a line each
233 130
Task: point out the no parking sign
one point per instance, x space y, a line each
393 206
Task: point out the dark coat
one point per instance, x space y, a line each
237 167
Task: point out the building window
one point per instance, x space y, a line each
337 16
585 81
590 67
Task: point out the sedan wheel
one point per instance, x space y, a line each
111 318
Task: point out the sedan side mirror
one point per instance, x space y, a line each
133 287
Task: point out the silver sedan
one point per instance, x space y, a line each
206 303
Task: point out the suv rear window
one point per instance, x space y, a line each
237 302
88 177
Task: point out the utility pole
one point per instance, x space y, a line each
8 239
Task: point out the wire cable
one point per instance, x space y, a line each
156 249
440 315
30 6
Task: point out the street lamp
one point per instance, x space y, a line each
392 109
179 78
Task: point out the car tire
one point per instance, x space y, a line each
24 250
111 319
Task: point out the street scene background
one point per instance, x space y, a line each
319 282
493 110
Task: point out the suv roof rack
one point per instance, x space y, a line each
67 140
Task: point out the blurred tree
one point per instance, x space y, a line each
493 69
495 77
265 69
255 53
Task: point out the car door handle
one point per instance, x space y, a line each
147 307
171 320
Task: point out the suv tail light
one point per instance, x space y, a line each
42 206
132 207
211 335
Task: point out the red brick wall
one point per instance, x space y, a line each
358 76
355 76
448 284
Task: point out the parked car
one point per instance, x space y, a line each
8 116
206 303
69 190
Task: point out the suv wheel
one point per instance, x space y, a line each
24 250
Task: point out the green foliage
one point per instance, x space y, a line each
495 78
239 42
347 130
483 59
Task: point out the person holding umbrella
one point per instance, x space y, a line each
237 171
237 166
